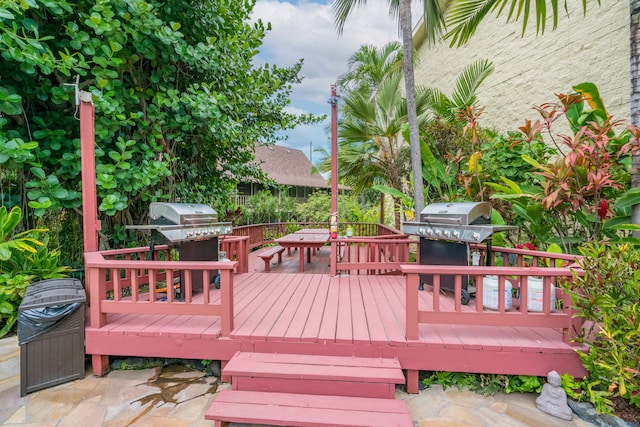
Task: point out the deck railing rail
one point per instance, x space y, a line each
512 267
263 234
147 286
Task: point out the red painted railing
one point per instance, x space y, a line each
516 268
378 255
147 286
262 234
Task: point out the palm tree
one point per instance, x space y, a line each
371 148
369 66
434 17
464 17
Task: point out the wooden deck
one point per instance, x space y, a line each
284 311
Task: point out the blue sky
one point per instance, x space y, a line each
304 29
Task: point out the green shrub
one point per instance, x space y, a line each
608 298
485 384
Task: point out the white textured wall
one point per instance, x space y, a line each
530 70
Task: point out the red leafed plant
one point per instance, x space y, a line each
578 192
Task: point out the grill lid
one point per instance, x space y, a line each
181 213
460 213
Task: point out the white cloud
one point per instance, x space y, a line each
306 30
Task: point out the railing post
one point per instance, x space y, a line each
97 290
576 323
411 291
226 300
243 249
333 264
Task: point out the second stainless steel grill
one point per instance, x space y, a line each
446 230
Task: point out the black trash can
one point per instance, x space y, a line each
51 334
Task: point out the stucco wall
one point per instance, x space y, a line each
530 70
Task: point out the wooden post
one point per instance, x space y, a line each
226 297
90 223
411 327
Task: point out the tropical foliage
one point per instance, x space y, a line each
582 194
608 296
178 102
24 259
372 150
464 16
433 14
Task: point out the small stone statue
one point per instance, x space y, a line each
553 399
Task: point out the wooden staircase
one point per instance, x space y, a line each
310 390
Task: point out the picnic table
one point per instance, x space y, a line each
307 238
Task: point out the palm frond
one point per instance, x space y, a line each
469 81
464 16
341 10
434 22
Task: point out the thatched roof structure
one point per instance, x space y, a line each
288 166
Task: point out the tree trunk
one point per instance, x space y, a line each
396 213
410 88
634 38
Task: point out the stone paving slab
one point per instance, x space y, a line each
176 398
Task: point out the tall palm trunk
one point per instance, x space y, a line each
410 89
634 39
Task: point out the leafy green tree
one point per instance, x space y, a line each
319 203
179 104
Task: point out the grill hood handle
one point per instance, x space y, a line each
442 220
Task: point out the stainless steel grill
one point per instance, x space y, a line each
446 230
191 227
182 222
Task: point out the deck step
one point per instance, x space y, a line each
286 409
315 374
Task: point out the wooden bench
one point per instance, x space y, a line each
269 254
255 407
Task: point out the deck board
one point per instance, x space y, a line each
328 322
311 329
315 313
303 309
377 333
344 324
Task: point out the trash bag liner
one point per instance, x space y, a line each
36 321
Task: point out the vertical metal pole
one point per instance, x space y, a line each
90 223
334 149
333 266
